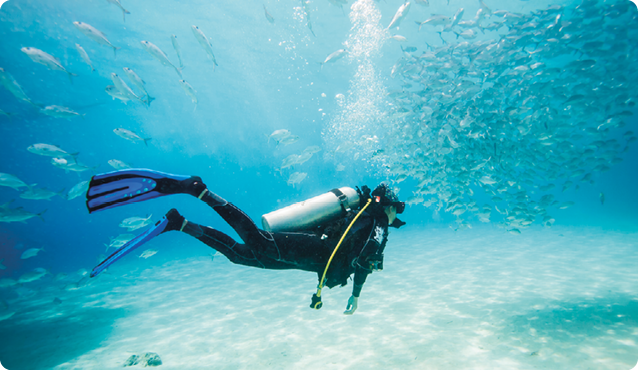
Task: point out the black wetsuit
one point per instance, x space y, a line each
360 253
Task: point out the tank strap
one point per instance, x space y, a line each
342 199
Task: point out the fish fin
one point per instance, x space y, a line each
42 218
149 99
147 140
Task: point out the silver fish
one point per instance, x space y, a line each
401 13
148 253
137 81
50 151
124 89
39 193
16 214
11 181
119 5
12 85
60 112
118 165
46 59
159 55
278 135
189 90
34 275
134 223
67 165
95 35
296 178
203 41
177 50
268 16
77 190
84 56
116 94
333 57
130 135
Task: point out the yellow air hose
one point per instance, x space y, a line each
316 298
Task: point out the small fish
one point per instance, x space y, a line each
134 223
60 112
119 5
602 198
77 190
46 59
2 267
67 165
304 4
39 194
118 165
95 35
399 38
31 252
177 50
296 178
124 89
12 85
203 41
159 55
130 135
268 16
116 94
11 181
333 57
312 149
304 157
289 161
189 90
566 205
436 20
137 81
60 276
401 13
7 283
340 167
119 241
34 275
277 135
84 56
289 140
6 315
148 253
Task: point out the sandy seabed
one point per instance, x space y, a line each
560 298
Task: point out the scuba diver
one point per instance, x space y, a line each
347 242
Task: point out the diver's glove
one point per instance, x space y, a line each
352 305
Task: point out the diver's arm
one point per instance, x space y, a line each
360 276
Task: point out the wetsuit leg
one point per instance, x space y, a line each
235 252
306 251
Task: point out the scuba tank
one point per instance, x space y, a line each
312 212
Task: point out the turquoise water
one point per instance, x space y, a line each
542 284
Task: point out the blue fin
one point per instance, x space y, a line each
139 240
123 187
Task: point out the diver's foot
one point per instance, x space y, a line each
175 221
193 186
196 187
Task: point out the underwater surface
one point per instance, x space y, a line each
508 127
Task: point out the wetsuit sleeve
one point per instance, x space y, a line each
360 275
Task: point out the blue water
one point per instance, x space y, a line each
268 78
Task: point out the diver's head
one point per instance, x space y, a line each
385 197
